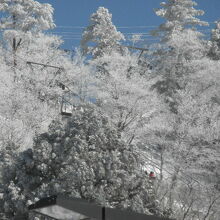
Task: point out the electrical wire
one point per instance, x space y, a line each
76 36
123 27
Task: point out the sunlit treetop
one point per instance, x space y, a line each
101 33
28 15
179 15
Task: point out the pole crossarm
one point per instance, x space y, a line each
45 65
134 48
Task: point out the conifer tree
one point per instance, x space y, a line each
180 44
179 15
83 158
214 52
102 33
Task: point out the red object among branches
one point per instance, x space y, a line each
152 175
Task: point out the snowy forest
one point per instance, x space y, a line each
94 125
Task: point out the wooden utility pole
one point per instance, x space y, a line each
15 46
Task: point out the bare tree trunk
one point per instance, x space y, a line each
172 187
210 207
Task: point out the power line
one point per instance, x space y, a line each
128 37
76 27
80 33
70 35
74 32
122 27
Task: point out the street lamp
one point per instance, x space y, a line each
63 208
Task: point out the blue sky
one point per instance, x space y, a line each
128 15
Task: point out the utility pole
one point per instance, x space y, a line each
15 46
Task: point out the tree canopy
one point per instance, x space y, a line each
94 124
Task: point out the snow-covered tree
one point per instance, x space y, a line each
101 34
83 158
26 15
21 20
184 147
40 79
214 52
124 93
33 98
179 15
180 44
29 103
